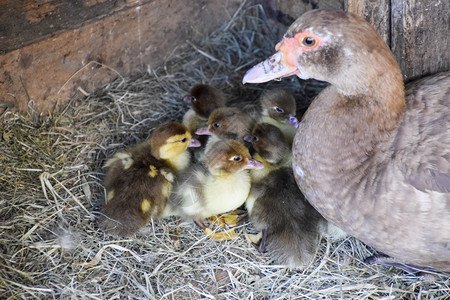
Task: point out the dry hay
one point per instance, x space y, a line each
51 190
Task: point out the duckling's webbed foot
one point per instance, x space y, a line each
384 260
217 236
259 240
262 244
231 219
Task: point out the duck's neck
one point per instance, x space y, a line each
373 87
374 82
355 123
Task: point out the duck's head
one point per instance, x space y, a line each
333 46
268 141
280 105
227 123
204 99
228 157
170 140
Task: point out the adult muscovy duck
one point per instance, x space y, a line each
371 156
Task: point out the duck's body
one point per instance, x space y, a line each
369 159
219 186
407 214
139 180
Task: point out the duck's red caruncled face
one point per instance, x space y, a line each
285 62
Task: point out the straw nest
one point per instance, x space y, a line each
51 191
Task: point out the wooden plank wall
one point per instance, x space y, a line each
416 31
51 50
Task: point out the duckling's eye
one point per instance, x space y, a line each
255 139
193 99
217 125
279 110
236 158
183 140
309 41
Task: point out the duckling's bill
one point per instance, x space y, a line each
293 121
253 164
203 131
194 143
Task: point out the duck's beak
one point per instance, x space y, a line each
281 64
203 131
253 164
194 143
271 68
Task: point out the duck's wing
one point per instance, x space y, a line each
425 134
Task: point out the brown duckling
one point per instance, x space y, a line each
139 180
291 227
278 108
218 186
228 123
204 99
270 147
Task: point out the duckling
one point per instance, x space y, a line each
271 149
219 185
291 228
278 108
139 180
228 123
204 100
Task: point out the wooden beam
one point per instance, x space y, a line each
376 13
83 59
26 22
420 36
416 31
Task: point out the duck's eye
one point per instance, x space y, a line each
216 125
255 139
193 99
279 110
236 158
183 140
309 41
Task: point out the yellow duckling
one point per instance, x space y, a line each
218 186
139 180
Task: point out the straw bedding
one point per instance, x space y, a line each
51 191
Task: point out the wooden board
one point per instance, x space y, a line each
421 36
83 55
27 22
51 50
285 12
416 31
376 13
